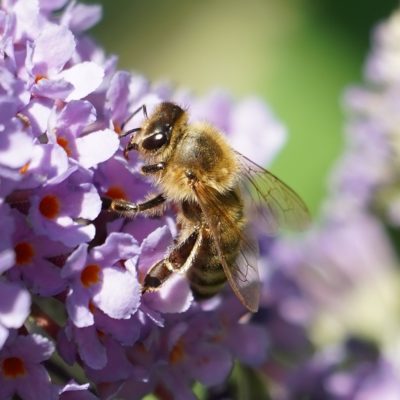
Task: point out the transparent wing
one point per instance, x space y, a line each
278 205
271 199
243 274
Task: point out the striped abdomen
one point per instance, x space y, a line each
206 274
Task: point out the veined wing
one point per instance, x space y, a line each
280 206
243 274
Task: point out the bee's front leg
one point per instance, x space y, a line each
128 209
153 168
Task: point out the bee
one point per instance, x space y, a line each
195 168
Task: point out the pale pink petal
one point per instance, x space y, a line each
38 111
154 248
50 5
96 147
80 17
15 305
174 296
53 48
119 295
15 140
75 262
78 308
86 77
27 18
53 89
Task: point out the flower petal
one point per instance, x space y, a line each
37 386
75 262
86 77
81 17
96 147
75 116
117 96
14 141
15 303
119 296
249 343
210 364
92 352
8 108
53 48
53 89
38 111
77 304
33 348
154 248
50 5
174 296
118 246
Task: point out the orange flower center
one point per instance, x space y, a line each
117 127
90 275
39 78
177 352
63 142
49 206
24 169
13 367
116 192
24 253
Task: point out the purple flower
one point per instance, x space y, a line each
66 128
63 108
354 370
32 254
21 371
66 210
116 180
98 277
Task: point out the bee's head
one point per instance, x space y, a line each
159 130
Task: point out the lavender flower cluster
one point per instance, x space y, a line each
71 272
344 271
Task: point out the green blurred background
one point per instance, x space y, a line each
298 55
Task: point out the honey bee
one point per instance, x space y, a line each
195 168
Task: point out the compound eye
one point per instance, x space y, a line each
157 139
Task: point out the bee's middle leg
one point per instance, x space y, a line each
128 209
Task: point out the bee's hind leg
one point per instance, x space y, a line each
129 210
178 260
